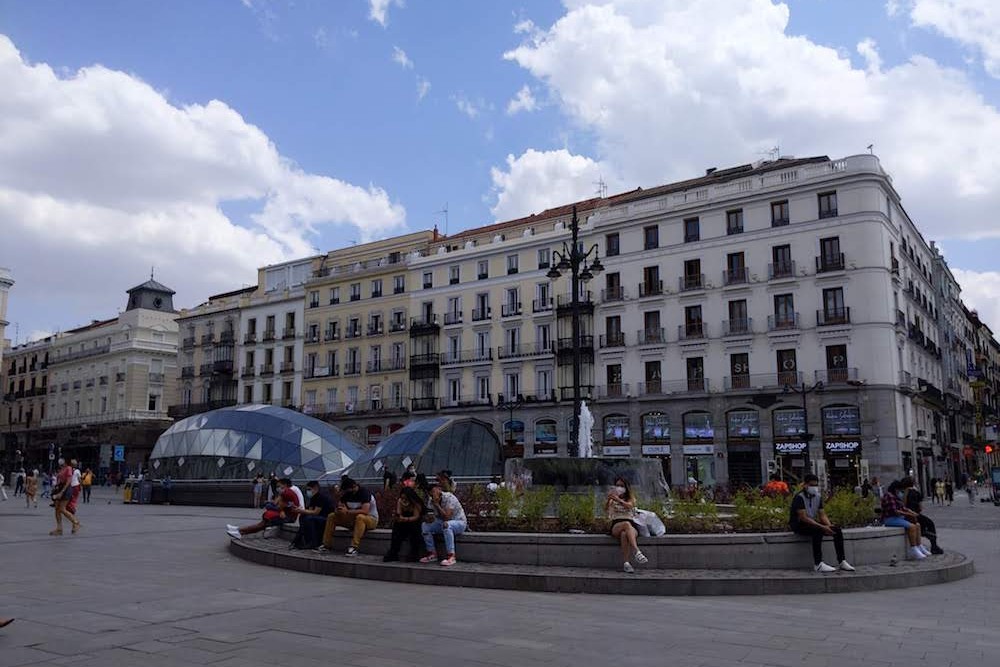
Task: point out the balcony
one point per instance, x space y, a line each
567 344
397 326
762 381
784 322
586 392
692 282
227 337
374 366
103 380
781 270
664 387
651 336
353 332
651 288
467 402
375 329
268 335
395 365
312 337
355 297
467 357
376 294
208 339
187 372
481 314
334 300
120 377
314 304
287 367
248 372
424 326
541 305
89 383
250 338
399 289
736 276
833 316
691 331
453 318
482 276
613 391
426 359
188 343
524 350
423 404
894 267
331 335
564 303
223 367
154 378
740 327
906 381
613 339
837 376
900 319
613 294
205 369
288 333
267 370
830 262
352 368
510 309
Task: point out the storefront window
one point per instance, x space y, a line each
513 429
743 425
698 426
789 423
841 421
545 436
616 429
655 428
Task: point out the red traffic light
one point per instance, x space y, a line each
989 449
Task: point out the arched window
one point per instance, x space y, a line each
513 430
394 427
841 420
743 425
698 427
374 433
655 428
616 429
546 434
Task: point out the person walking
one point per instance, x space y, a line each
19 482
939 492
75 486
970 490
949 490
256 491
31 490
3 491
62 495
87 481
46 485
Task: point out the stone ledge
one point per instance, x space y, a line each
938 569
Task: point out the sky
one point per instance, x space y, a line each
206 139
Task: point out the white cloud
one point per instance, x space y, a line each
423 87
101 177
378 10
973 23
635 75
981 292
321 38
537 180
471 108
399 56
524 100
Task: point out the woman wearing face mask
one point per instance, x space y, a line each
809 518
620 508
896 515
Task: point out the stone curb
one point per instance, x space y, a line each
943 569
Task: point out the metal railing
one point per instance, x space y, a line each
651 336
615 339
737 327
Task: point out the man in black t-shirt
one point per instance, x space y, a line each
807 517
312 519
914 500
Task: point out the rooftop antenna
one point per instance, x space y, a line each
871 149
602 187
152 270
445 211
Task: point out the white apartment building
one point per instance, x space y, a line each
271 319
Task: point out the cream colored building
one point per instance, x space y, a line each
6 282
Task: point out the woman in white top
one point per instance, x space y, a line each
620 508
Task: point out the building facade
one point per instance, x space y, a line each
6 282
86 390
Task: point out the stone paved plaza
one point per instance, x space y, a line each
155 585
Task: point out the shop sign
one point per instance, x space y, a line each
656 450
695 450
790 447
842 446
545 450
617 450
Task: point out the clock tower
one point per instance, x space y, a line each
151 295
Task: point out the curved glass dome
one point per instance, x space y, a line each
241 441
467 447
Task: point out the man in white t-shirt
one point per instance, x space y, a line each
75 481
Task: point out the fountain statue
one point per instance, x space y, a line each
585 432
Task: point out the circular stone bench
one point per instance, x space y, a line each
724 551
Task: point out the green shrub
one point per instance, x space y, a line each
846 508
507 506
534 502
688 515
576 511
754 511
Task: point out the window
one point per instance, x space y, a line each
454 275
483 387
454 391
739 370
841 421
739 322
651 237
355 291
698 427
543 337
779 213
693 325
734 222
398 284
736 269
483 270
613 331
834 311
696 373
544 258
830 257
782 265
512 385
376 288
511 264
334 296
692 278
252 325
543 384
654 377
616 429
787 367
513 302
836 363
651 283
784 312
613 374
692 230
611 245
314 299
827 204
652 331
428 280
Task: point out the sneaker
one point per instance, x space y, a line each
824 568
429 558
927 552
628 568
449 561
846 567
917 554
321 549
235 534
937 551
351 551
232 526
640 558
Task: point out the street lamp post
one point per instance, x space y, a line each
581 267
804 390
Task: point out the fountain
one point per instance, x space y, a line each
580 475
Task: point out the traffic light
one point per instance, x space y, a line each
989 449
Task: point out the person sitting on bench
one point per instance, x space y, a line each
809 518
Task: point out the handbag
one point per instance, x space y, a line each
58 491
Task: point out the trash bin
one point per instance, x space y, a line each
127 492
146 492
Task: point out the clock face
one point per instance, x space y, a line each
157 302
